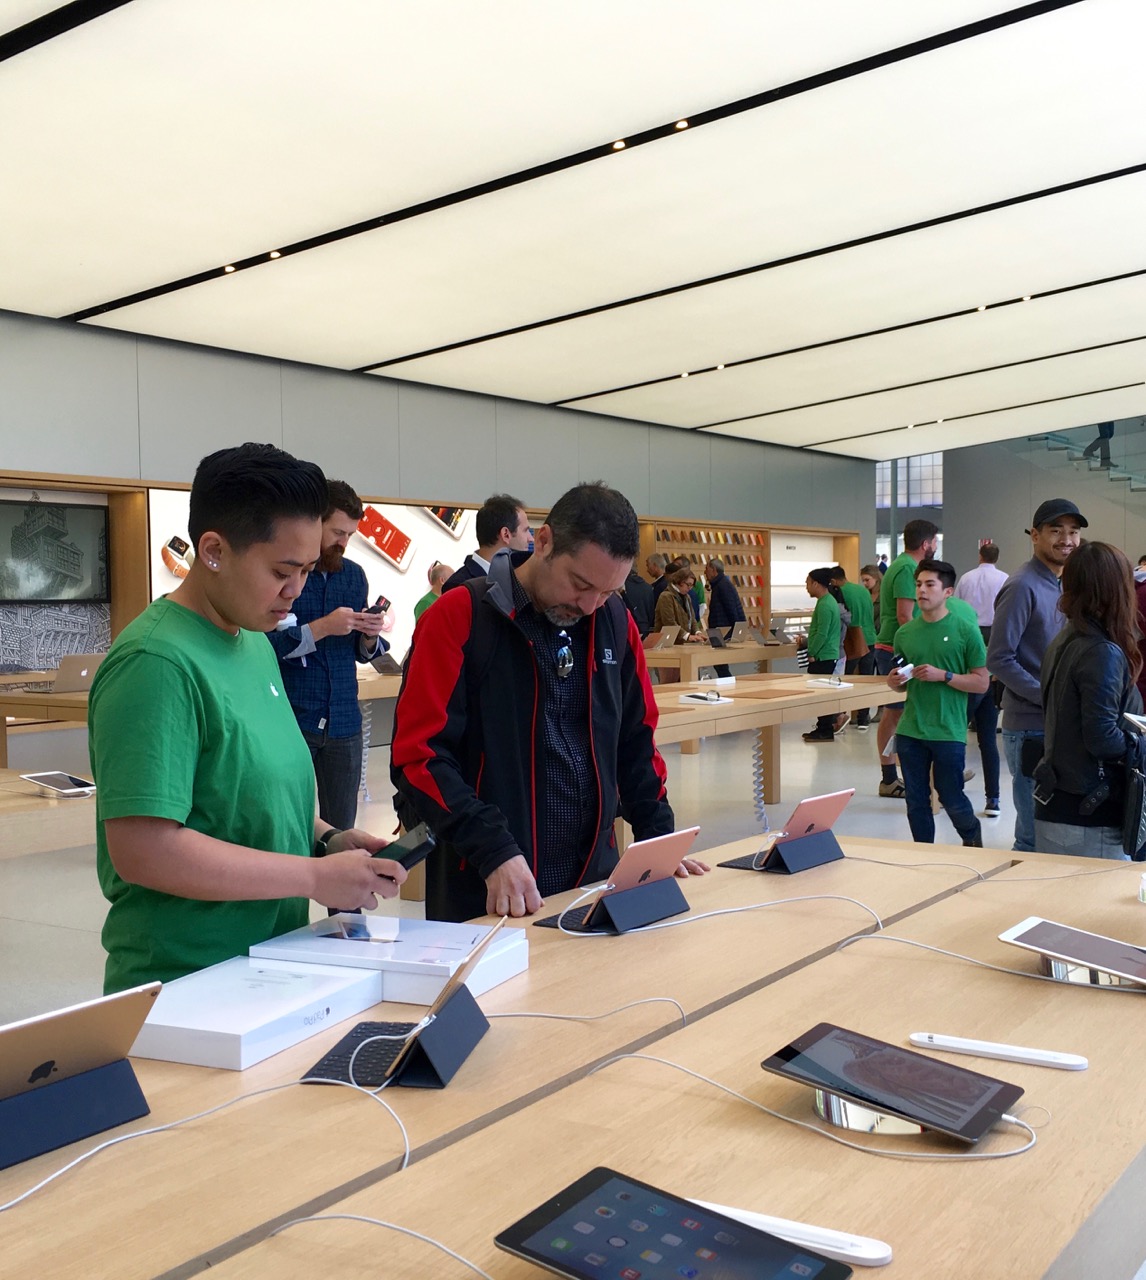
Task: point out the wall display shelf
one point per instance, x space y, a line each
759 560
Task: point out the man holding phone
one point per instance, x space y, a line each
333 631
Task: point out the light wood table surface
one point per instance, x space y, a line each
763 703
143 1208
38 706
31 822
1070 1209
691 657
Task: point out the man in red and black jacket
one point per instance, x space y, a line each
526 717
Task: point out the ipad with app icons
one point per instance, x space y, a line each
608 1224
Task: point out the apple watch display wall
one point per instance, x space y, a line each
170 553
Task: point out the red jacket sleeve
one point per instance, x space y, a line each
427 754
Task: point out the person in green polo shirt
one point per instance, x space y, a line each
948 661
897 606
205 796
857 601
824 640
436 576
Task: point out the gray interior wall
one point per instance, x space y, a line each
87 401
992 490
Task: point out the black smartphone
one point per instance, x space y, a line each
379 606
410 849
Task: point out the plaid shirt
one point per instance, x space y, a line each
320 677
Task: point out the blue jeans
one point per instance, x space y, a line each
338 772
1022 789
984 715
1080 842
919 760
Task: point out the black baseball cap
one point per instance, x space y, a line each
1055 509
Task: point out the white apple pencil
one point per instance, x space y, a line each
1003 1052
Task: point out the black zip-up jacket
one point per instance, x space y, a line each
467 742
1086 687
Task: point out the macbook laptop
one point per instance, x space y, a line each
53 1046
386 665
778 627
741 633
664 639
77 672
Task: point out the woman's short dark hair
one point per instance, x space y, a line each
823 577
1098 587
240 493
593 512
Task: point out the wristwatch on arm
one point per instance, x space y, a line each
948 676
321 845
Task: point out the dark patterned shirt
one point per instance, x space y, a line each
567 812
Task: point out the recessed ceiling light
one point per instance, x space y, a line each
938 420
682 124
228 268
1027 298
720 366
982 308
684 375
275 253
619 145
911 426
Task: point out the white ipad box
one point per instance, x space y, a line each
241 1011
414 957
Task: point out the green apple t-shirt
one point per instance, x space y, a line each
189 722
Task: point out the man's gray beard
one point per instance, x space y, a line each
553 615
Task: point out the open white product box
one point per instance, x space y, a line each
414 957
241 1011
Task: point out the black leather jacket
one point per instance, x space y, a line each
1086 686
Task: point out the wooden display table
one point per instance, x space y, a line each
690 658
39 706
234 1173
31 822
1067 1210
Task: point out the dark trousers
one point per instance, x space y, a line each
723 670
919 761
338 772
825 725
984 715
864 666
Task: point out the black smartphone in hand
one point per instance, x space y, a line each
412 848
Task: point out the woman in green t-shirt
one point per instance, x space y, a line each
205 799
825 640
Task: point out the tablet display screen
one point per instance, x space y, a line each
951 1099
607 1224
1090 949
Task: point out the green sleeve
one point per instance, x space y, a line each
144 739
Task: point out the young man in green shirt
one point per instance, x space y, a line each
205 800
947 660
897 606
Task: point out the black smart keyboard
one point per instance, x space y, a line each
373 1061
574 919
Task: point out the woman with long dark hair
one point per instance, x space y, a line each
1088 677
825 640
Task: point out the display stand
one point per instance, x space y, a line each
791 856
69 1110
846 1113
1069 971
441 1047
621 912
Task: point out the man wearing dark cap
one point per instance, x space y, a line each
1026 621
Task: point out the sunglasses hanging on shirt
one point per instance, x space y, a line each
564 654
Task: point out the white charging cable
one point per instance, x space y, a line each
199 1115
833 1137
390 1226
883 862
983 964
596 1017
